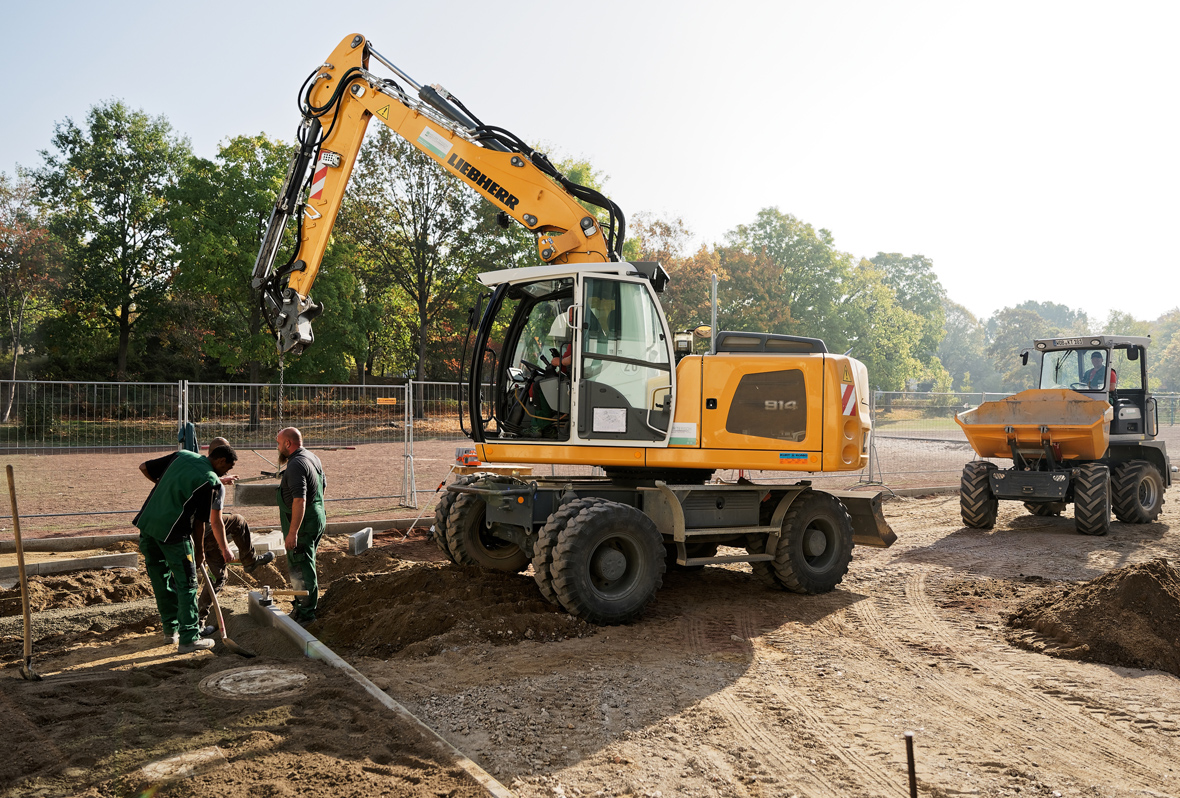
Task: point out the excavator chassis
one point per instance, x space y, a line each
599 548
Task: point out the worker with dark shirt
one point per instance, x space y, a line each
167 523
233 527
301 512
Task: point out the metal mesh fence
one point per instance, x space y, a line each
249 415
44 415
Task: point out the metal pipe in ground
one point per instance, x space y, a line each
909 755
26 669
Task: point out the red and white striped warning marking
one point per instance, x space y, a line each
849 401
321 176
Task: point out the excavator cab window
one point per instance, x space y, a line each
534 380
625 389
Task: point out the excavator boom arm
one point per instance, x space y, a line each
338 101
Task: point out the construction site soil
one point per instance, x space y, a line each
1027 660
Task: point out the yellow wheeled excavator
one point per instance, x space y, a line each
572 362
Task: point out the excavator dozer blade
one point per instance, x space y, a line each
869 527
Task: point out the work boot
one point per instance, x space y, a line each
172 637
304 622
208 631
259 561
197 645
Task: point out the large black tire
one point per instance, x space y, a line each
471 543
816 544
608 564
442 511
547 543
977 504
1091 499
764 571
1045 509
1137 492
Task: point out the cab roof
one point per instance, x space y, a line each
1092 342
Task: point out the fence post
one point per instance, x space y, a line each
409 489
181 411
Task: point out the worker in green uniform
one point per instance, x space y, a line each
301 513
176 506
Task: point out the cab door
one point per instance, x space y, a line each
624 365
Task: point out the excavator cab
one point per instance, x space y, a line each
579 356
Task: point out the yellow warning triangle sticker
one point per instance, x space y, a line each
847 376
384 113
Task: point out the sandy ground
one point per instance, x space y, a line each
723 688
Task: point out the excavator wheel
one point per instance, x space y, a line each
471 543
609 562
1091 499
1045 509
977 505
1137 492
441 511
545 545
816 544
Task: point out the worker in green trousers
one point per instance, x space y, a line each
302 515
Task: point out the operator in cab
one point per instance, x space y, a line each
1095 377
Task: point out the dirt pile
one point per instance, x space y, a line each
79 589
422 609
1128 617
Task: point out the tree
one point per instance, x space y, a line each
918 290
27 261
963 351
420 230
1015 331
806 269
1062 318
106 188
220 215
880 332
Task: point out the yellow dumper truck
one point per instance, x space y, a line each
1086 436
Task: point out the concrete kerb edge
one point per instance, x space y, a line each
99 541
313 649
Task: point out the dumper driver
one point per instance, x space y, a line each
167 523
1095 377
303 519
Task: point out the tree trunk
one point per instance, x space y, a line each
124 342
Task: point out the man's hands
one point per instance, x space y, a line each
298 507
228 479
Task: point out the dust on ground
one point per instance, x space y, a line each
1129 617
723 688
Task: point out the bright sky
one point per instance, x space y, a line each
1030 149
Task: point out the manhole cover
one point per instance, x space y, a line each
266 681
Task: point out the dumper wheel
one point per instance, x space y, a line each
546 544
441 511
977 505
1091 499
609 563
1137 492
816 544
1045 509
471 542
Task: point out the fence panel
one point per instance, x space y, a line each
107 416
249 415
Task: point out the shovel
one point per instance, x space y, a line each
231 645
26 668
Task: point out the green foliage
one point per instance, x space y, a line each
107 187
1016 329
918 290
219 214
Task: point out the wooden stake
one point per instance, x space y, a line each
26 670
